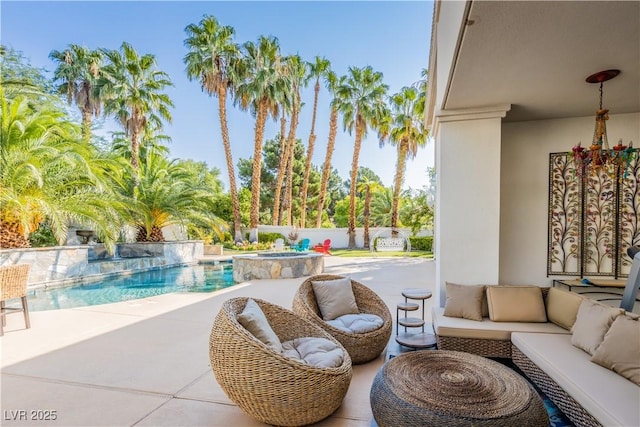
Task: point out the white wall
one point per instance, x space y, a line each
339 236
525 187
467 223
447 31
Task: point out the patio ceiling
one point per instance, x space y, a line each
536 56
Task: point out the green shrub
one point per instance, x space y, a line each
43 237
246 246
423 243
270 237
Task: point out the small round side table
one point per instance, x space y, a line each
408 339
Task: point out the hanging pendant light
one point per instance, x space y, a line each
614 161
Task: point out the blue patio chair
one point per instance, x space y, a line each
302 246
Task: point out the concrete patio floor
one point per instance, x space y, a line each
146 362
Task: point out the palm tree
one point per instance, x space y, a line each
381 207
150 140
286 105
331 82
282 163
408 134
260 92
296 71
211 59
368 187
78 71
168 192
361 101
131 89
48 174
317 69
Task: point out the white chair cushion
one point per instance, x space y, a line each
312 351
357 323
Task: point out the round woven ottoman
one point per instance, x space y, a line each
451 388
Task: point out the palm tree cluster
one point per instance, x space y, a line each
260 79
53 170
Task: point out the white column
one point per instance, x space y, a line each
467 217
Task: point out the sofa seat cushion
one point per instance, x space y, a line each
319 352
357 323
609 397
486 329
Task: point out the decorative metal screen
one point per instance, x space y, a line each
593 219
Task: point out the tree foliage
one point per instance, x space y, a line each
55 174
48 173
19 75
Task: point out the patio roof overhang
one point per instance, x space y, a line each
534 56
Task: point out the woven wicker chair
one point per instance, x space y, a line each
362 347
267 385
13 284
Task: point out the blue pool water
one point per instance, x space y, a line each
196 278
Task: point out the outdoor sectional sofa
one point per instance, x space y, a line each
551 337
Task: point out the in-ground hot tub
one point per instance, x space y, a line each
276 265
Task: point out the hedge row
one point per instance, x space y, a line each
423 243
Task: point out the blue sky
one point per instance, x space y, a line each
392 37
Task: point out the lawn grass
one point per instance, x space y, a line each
361 253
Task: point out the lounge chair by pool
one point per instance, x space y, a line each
302 246
324 247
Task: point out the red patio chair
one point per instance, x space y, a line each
324 247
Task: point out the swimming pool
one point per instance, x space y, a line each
195 278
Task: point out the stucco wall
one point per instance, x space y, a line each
467 203
69 264
524 186
448 27
339 236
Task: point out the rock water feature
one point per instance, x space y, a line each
276 265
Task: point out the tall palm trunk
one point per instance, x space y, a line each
86 125
290 157
282 164
222 111
287 173
135 149
254 215
400 168
88 107
354 176
289 189
326 169
310 148
367 216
